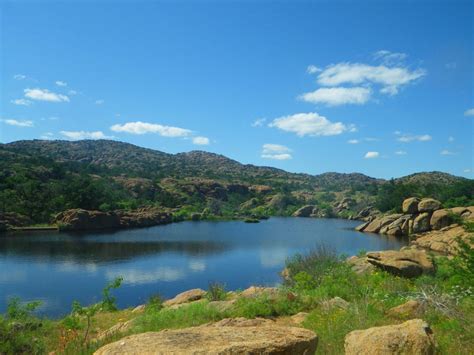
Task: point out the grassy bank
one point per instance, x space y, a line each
446 296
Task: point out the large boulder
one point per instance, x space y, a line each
410 205
360 265
398 227
443 241
421 223
378 223
411 337
407 263
428 205
304 211
185 297
441 219
229 336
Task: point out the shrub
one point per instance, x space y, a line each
216 292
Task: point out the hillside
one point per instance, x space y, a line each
41 178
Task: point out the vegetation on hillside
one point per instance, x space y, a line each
39 179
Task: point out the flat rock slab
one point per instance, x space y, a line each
225 337
411 337
406 263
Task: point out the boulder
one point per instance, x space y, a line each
185 297
299 318
410 309
256 291
406 263
459 210
428 205
398 227
139 309
378 223
442 241
362 226
229 336
360 265
441 219
304 211
421 223
336 302
411 337
410 205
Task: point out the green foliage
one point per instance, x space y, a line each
155 303
109 301
16 310
216 292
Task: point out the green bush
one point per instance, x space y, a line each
216 292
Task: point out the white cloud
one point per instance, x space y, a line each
312 69
99 102
17 123
467 170
390 78
451 139
406 138
371 155
60 83
401 152
139 127
353 141
72 92
77 135
45 95
451 65
201 140
469 112
259 122
338 96
447 152
19 77
22 102
276 151
310 123
390 58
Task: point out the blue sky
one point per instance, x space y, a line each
379 87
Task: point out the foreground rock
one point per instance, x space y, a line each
79 219
406 263
186 297
411 337
229 336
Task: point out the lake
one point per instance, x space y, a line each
58 268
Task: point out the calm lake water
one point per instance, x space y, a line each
58 268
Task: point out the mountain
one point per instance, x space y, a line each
41 178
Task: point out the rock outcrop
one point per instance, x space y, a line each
229 336
406 263
305 211
419 216
411 337
9 220
79 219
444 241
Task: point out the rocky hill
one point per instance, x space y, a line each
39 179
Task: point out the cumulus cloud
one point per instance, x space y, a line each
353 141
469 112
60 83
199 140
371 155
401 152
47 136
312 69
390 78
259 122
451 139
276 151
390 58
99 102
311 124
139 127
22 102
77 135
72 92
338 96
45 95
19 77
17 123
447 152
406 138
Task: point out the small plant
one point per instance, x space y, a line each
216 292
18 311
155 303
109 301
